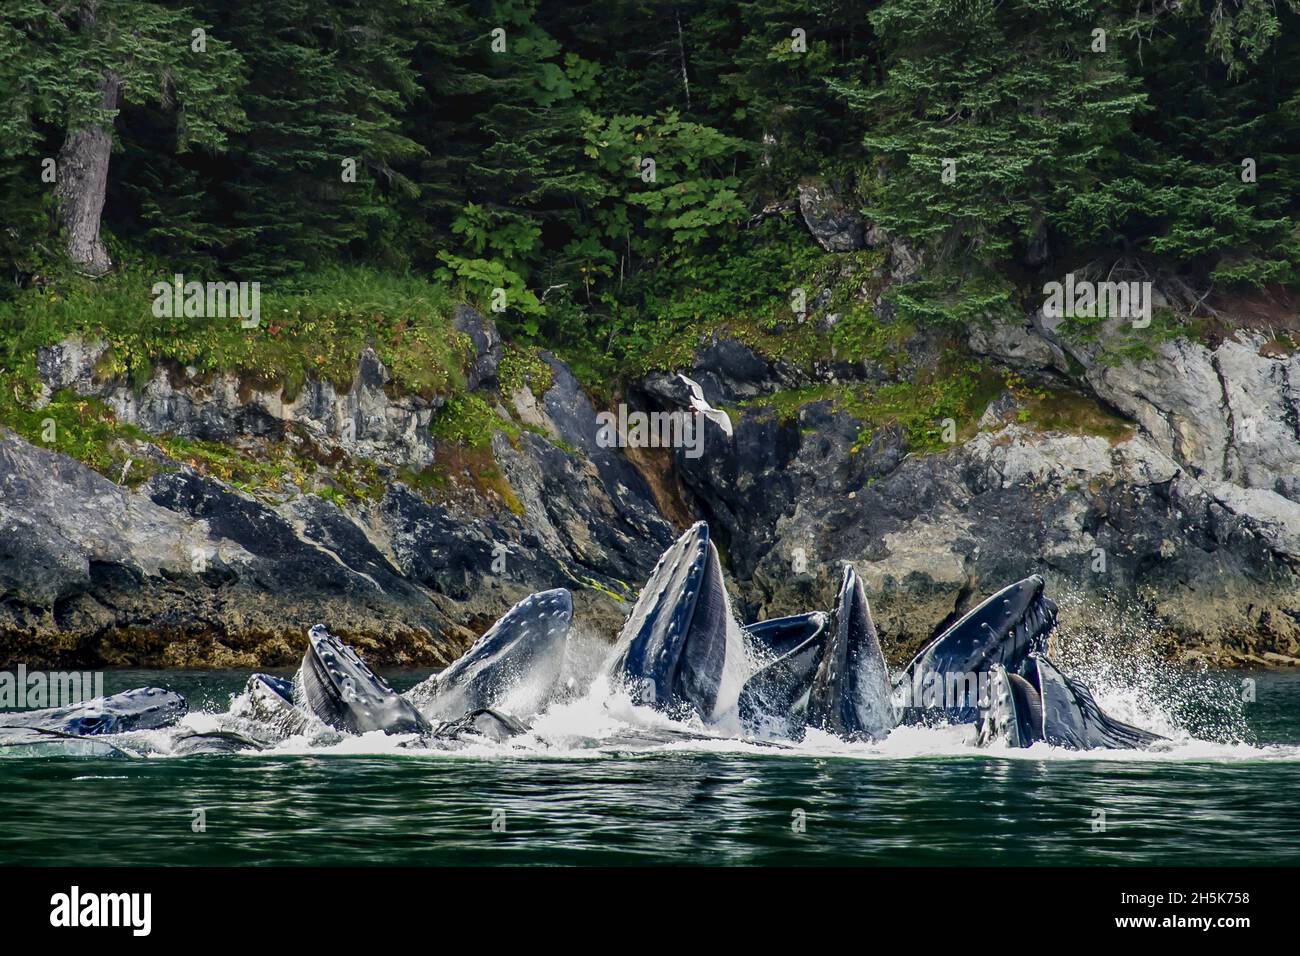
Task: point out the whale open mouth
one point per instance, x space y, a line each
672 651
681 652
516 664
343 692
944 678
774 700
834 679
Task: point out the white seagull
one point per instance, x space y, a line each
719 418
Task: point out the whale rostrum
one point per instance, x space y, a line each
343 692
514 666
850 694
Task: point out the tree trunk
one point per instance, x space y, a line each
83 179
681 53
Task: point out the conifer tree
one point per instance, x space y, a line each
75 65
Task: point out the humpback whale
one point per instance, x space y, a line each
1043 704
516 664
832 674
343 692
672 651
850 693
774 700
146 708
943 679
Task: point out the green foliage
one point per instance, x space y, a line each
520 166
688 197
955 301
959 390
481 278
470 421
1007 96
524 365
315 327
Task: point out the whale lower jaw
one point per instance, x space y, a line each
1043 705
672 652
850 694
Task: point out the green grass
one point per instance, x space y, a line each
81 428
314 327
960 389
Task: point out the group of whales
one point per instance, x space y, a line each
679 652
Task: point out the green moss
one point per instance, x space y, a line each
1061 410
316 327
82 428
470 421
1123 343
959 390
464 427
523 365
86 429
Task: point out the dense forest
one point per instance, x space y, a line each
595 160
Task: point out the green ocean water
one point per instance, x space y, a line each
919 799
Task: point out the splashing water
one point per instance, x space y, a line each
1113 647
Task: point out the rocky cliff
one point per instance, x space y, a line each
187 569
1170 482
1184 518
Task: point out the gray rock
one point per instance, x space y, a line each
828 217
363 420
930 535
1225 414
1019 346
187 571
486 343
904 261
